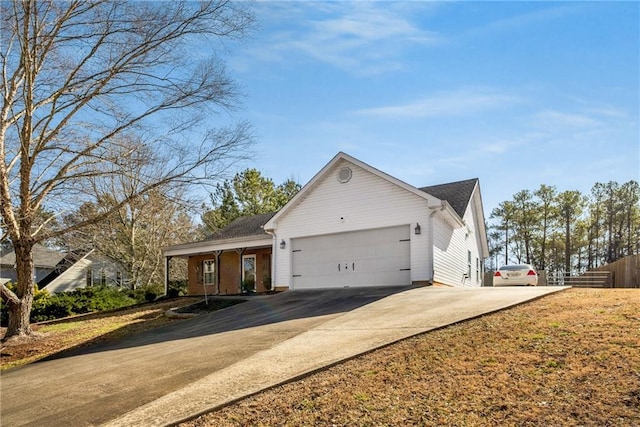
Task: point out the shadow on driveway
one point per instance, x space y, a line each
257 311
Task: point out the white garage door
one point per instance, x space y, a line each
377 257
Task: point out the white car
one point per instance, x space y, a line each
516 275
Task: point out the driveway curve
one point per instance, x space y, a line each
173 373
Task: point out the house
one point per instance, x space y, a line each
58 271
83 269
44 260
351 225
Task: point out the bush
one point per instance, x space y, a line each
79 301
147 293
177 288
39 297
82 300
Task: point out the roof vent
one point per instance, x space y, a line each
344 174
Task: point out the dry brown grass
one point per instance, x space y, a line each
53 337
569 359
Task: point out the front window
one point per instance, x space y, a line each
469 264
209 272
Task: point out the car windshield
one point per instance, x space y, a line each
515 267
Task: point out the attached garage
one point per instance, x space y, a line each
353 226
378 257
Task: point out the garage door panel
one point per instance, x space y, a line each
362 258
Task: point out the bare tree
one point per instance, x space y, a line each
504 213
134 234
91 90
526 220
547 198
570 205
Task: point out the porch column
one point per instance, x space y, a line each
166 275
217 275
240 253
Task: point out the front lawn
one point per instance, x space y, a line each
568 359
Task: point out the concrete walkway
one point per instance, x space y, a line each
172 374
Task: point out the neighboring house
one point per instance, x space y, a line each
57 271
351 225
44 260
89 269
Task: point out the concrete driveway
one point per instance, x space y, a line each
170 374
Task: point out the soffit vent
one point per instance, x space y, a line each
344 174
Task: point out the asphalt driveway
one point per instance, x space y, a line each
166 375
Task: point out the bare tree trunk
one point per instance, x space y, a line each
506 246
567 244
20 306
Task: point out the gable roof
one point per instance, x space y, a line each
457 194
42 256
69 260
243 227
329 166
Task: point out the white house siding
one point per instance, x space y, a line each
367 201
8 272
76 276
451 246
73 278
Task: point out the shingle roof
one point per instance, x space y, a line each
42 256
243 227
457 194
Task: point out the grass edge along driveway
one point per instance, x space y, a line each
571 358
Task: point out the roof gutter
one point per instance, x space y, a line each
448 213
209 245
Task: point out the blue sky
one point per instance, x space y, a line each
517 94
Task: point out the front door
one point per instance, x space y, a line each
249 272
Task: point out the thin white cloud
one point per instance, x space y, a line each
516 22
551 119
607 111
497 147
460 102
364 38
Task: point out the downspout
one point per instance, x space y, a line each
274 254
434 211
431 249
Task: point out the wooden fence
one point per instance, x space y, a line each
625 273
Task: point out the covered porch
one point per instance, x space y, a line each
227 267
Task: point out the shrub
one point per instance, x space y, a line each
147 293
79 301
177 288
40 297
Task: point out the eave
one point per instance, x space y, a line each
208 246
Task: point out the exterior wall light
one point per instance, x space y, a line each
283 244
417 230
